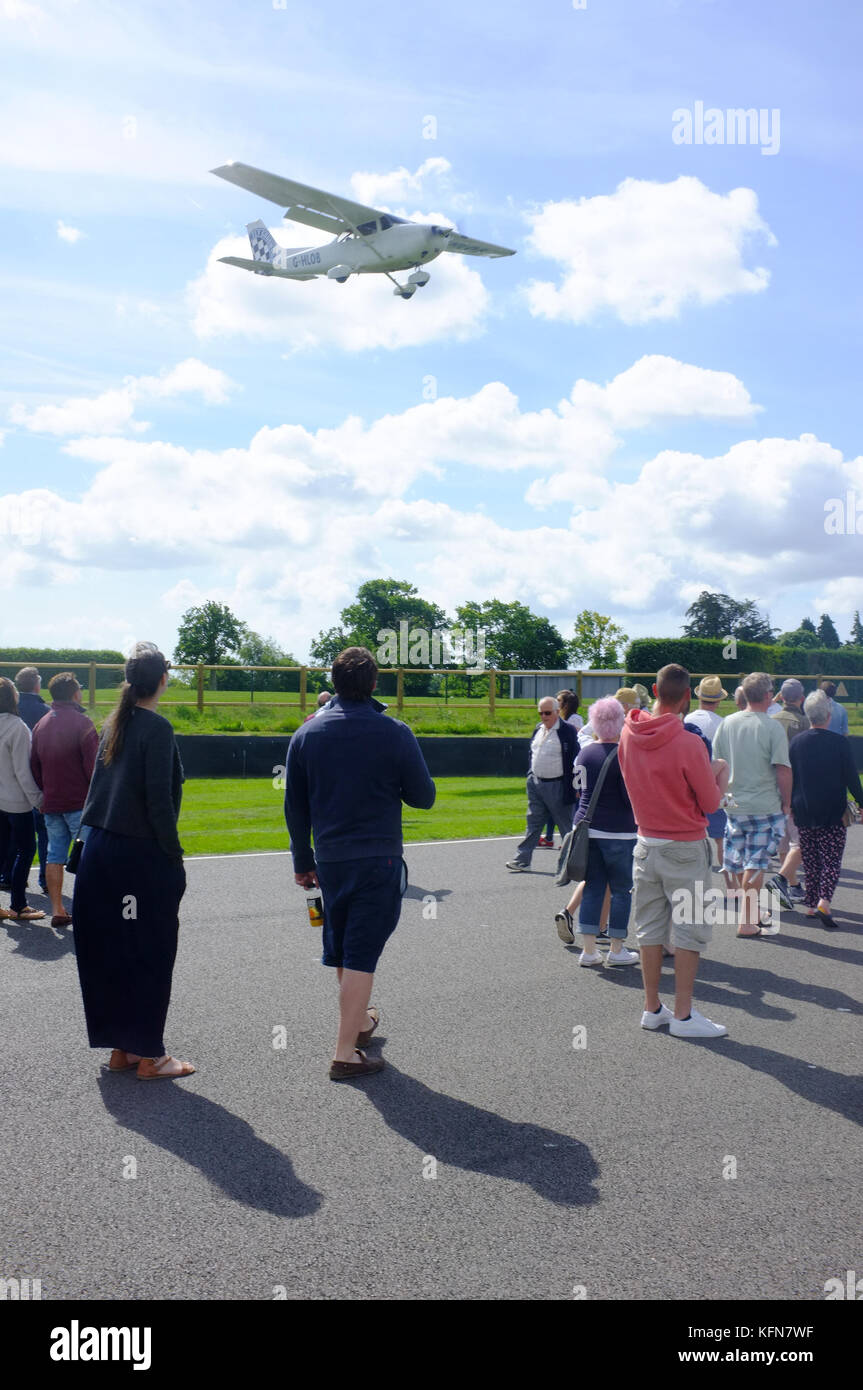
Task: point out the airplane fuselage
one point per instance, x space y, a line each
396 248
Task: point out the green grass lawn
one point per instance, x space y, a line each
230 815
512 718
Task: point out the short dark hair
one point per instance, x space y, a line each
672 683
355 673
63 687
828 687
8 696
27 679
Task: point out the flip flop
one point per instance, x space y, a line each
364 1038
27 914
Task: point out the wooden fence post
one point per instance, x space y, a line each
91 688
492 682
200 688
304 686
400 689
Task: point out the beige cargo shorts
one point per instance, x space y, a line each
670 881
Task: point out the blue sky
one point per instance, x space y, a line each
656 395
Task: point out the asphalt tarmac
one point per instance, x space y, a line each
527 1139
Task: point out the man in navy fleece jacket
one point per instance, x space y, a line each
348 772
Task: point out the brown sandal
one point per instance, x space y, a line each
364 1038
26 914
120 1061
153 1071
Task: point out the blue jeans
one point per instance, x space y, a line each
609 865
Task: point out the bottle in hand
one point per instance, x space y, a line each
315 905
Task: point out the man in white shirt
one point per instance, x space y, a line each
550 793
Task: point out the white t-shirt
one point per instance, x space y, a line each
576 720
774 708
707 720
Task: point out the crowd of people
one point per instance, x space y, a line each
673 796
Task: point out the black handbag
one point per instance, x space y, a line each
572 861
74 856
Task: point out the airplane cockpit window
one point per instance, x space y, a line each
388 220
366 228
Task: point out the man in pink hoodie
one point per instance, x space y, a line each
672 788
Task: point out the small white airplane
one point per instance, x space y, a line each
365 240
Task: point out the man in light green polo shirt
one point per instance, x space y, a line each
756 750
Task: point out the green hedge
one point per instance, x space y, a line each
699 654
52 660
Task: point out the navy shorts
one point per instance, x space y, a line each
362 905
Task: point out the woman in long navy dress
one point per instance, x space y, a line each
131 877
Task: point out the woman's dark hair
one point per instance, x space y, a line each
568 702
355 673
8 696
144 669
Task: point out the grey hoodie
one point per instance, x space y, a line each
18 791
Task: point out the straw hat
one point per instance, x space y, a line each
710 688
626 697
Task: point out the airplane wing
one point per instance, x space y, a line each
312 206
264 268
467 246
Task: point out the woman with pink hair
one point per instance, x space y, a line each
611 842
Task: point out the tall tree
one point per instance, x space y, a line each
827 634
515 639
807 625
208 634
380 605
856 638
595 641
719 615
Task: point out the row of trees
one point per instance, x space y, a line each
514 638
719 616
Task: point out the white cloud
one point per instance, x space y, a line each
260 524
18 11
383 190
113 411
646 251
43 131
70 234
363 313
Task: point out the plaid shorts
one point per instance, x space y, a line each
750 841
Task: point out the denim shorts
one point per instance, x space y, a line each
362 905
62 827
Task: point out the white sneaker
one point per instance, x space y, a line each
595 958
622 957
654 1021
696 1026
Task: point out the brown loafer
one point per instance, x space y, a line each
345 1071
364 1038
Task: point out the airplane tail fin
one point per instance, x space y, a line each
264 247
